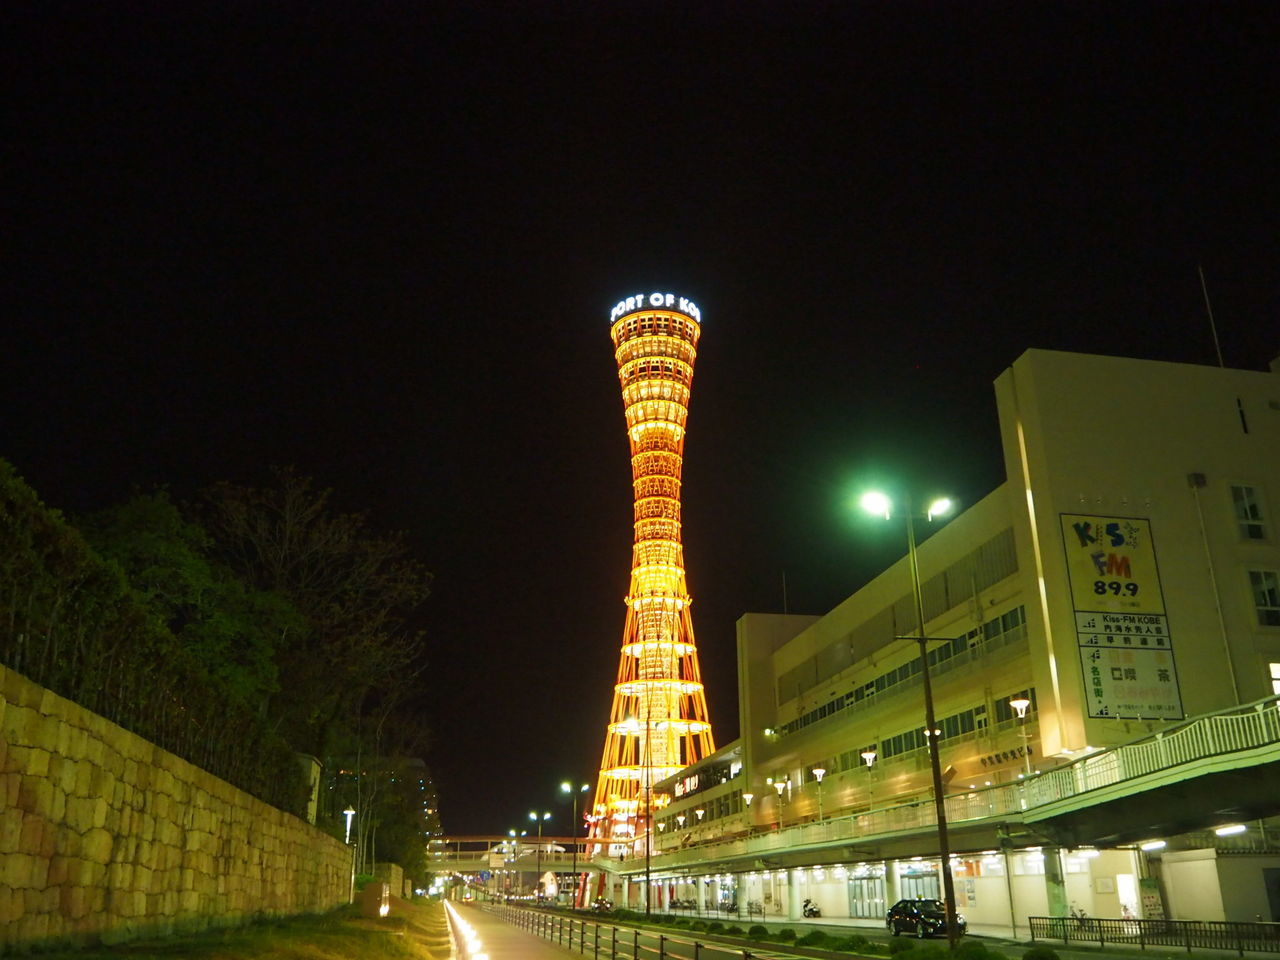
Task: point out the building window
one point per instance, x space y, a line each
1266 596
1275 678
1249 515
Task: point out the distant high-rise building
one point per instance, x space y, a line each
658 724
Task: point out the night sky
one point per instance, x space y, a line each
380 242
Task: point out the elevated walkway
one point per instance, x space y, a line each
1203 771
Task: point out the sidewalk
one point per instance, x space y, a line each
994 938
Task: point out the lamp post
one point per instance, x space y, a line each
779 786
818 774
1020 704
567 787
349 813
537 883
869 757
878 503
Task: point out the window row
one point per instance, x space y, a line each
1009 626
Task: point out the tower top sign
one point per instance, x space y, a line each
656 301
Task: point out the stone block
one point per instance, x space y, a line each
16 870
11 818
79 742
10 783
74 903
31 834
97 845
100 808
58 806
38 900
51 704
66 775
57 871
79 815
84 773
35 792
12 906
32 926
120 876
44 732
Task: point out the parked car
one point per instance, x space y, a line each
924 918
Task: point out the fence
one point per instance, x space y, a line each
603 941
1210 934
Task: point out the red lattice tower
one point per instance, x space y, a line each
658 724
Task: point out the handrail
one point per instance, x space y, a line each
1212 934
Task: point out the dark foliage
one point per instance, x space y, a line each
70 621
970 949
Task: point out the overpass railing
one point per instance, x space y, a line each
1185 934
1234 730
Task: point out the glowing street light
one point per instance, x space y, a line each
539 818
567 787
818 774
1020 705
348 813
880 505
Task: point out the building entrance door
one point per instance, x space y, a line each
866 898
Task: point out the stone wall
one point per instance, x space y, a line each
106 837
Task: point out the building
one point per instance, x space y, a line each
658 723
1105 624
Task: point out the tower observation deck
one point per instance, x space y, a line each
658 723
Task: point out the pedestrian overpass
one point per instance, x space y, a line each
1204 771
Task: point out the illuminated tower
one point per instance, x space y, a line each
658 723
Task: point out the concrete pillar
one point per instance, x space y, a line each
891 883
793 896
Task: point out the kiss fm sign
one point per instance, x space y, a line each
665 301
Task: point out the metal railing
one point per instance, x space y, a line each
604 940
1207 934
1252 726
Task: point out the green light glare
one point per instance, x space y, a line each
875 502
940 507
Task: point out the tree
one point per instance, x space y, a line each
358 591
232 631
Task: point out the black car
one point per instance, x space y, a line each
924 918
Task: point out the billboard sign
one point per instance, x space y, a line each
1122 630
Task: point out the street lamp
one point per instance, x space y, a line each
879 504
869 757
779 786
537 884
567 787
819 773
349 813
1020 704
